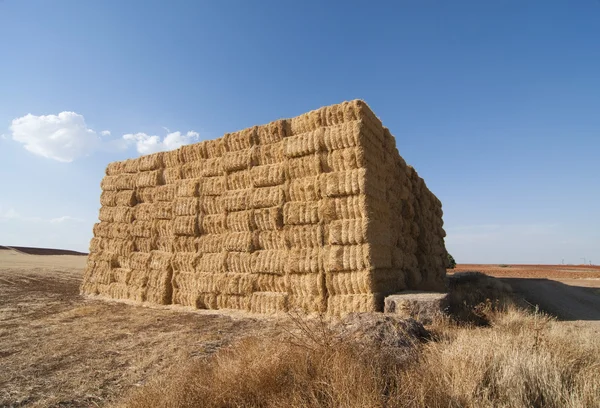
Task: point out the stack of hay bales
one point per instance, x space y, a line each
318 213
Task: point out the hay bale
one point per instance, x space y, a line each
268 302
213 224
211 186
164 243
238 262
185 225
306 285
125 198
183 206
350 158
303 236
233 302
238 180
149 179
122 214
192 170
267 197
269 154
304 189
272 132
240 221
144 244
142 229
142 211
151 162
237 200
338 305
357 257
108 198
162 211
239 160
269 261
192 153
242 140
301 212
304 260
209 243
268 282
304 166
172 174
145 195
307 304
210 205
350 207
303 144
239 242
266 219
139 260
268 175
185 262
270 240
212 262
114 168
359 231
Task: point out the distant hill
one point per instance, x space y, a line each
42 251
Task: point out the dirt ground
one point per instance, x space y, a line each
58 348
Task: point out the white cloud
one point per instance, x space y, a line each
11 214
64 218
63 137
146 144
105 133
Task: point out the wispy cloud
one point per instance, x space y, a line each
11 214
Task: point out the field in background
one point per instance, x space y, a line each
59 349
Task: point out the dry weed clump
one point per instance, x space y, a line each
522 359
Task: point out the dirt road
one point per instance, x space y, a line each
567 302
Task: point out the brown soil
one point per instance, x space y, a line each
42 251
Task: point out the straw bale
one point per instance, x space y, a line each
239 160
351 158
237 200
119 182
160 260
343 208
172 174
206 301
131 166
160 278
105 258
115 290
213 167
270 218
342 136
303 144
159 296
304 189
240 221
239 262
209 243
123 214
269 261
241 140
139 278
125 198
268 197
309 284
162 211
139 260
106 214
164 243
118 246
193 169
304 260
359 231
238 180
149 178
357 257
143 211
144 244
102 229
211 204
272 132
185 225
151 162
215 148
162 228
303 236
342 304
114 168
185 262
270 240
143 195
233 302
120 230
306 123
171 159
301 212
305 166
97 244
108 198
183 282
234 283
211 186
142 229
343 183
192 152
187 188
268 302
185 206
268 175
309 304
184 298
121 275
269 154
239 242
212 262
213 224
267 282
350 282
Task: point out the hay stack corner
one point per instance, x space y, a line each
317 213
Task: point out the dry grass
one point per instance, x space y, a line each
522 359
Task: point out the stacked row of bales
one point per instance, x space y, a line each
318 213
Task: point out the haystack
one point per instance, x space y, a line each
318 213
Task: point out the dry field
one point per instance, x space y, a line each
60 349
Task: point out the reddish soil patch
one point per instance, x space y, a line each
533 271
42 251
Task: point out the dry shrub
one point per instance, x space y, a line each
522 359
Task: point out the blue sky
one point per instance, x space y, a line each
495 103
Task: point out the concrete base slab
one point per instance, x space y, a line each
421 306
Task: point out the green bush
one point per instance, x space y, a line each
451 262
